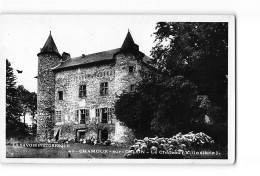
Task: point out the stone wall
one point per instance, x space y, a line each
45 94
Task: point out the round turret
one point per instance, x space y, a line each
48 58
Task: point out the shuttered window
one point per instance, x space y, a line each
97 112
84 116
76 115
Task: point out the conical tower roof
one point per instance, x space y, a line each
129 44
50 46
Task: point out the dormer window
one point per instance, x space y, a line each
82 90
60 95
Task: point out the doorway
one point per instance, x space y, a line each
80 134
103 135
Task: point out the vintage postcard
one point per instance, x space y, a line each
118 89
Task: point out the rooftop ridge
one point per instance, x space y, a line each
86 55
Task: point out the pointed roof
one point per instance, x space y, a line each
129 44
128 41
50 46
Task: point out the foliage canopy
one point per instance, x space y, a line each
191 82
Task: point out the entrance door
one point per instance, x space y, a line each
104 135
82 134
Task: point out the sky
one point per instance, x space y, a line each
22 36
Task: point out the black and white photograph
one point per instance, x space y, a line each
118 88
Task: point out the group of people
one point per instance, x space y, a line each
92 141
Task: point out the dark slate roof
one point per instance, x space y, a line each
86 59
94 58
50 46
128 46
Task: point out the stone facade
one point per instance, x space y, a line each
83 96
119 80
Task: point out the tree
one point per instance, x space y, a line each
159 107
135 111
33 111
198 51
189 85
19 101
24 100
13 108
28 102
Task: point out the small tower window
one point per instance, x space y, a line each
83 90
131 69
104 88
60 94
132 87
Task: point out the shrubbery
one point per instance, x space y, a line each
173 147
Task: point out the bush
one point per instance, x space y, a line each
173 147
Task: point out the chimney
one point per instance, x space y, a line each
65 56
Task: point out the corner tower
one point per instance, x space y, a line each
48 58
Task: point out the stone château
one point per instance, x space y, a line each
76 96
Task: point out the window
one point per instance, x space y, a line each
104 117
109 111
58 116
110 114
84 114
98 115
104 88
82 90
60 94
97 112
131 69
132 88
104 114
